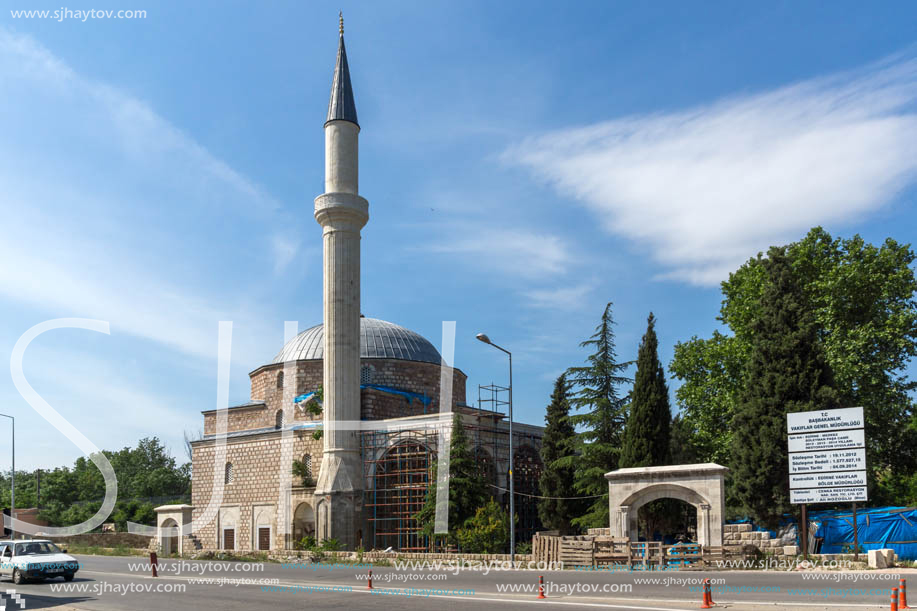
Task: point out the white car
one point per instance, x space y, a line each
22 560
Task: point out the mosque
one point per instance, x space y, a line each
365 456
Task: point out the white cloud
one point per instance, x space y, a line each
707 188
285 249
563 297
104 202
515 251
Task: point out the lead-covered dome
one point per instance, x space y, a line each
379 339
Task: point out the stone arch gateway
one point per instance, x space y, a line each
700 485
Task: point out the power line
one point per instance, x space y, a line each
555 498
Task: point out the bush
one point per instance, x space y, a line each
304 473
331 545
306 543
486 532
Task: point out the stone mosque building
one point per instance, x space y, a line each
367 473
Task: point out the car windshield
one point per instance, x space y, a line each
36 547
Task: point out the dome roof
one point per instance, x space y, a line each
379 339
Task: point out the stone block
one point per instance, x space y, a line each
876 559
743 528
890 557
790 550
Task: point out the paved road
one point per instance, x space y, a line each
111 583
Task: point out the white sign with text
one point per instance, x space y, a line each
828 420
854 494
827 480
827 440
829 460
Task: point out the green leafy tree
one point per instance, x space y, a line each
558 453
73 495
711 371
646 438
787 372
486 532
862 299
602 414
467 486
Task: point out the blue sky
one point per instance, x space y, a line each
524 162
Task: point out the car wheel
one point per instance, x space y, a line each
18 578
68 577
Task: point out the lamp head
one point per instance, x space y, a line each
483 338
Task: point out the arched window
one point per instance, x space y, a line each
307 463
278 419
228 475
280 380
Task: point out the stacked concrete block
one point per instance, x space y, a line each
737 536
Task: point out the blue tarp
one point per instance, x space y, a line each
877 528
410 396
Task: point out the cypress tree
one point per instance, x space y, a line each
646 438
787 372
558 457
603 416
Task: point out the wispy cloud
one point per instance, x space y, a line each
527 253
285 248
105 201
566 297
708 187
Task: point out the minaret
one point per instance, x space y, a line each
342 213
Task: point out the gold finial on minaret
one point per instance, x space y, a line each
341 15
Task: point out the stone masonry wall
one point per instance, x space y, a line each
255 481
412 376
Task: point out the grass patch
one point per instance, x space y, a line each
95 550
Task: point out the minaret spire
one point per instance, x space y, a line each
341 107
342 213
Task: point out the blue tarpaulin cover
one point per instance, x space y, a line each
877 528
410 396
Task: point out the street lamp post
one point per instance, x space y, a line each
512 494
12 481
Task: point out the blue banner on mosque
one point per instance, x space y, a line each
410 396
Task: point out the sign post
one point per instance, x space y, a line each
856 537
827 462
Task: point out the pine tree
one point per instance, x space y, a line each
603 416
467 485
558 457
646 438
787 372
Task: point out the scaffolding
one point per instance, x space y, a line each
398 468
527 468
399 465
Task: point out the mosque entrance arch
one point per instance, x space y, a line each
700 485
303 522
401 477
